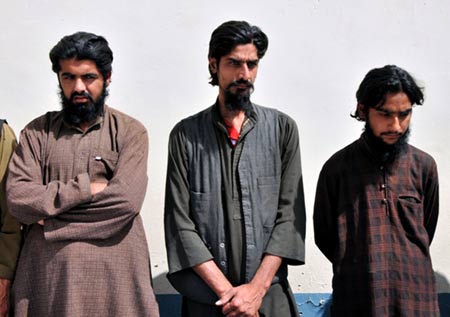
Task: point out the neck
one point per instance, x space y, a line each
386 152
233 118
85 126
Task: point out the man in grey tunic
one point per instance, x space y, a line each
78 180
234 207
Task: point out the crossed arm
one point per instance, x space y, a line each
81 208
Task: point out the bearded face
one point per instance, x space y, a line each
83 90
77 113
382 147
237 95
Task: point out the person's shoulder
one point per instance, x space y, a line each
283 118
6 132
198 115
44 121
191 120
128 120
415 151
341 157
4 126
421 157
118 114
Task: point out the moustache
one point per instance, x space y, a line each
240 82
81 94
392 133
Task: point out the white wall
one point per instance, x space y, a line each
319 52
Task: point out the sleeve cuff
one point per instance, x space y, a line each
186 250
287 243
6 272
84 183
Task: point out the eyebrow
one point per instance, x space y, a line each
83 75
404 112
238 60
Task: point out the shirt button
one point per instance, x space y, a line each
381 167
384 201
222 263
222 245
383 186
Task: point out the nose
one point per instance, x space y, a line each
395 125
80 86
244 72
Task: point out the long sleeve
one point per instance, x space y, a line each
10 235
324 230
288 235
113 209
431 200
29 199
51 172
184 245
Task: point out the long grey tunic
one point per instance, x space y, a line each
284 243
91 257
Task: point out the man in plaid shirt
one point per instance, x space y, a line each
376 207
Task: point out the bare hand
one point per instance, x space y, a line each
4 297
41 222
97 187
242 301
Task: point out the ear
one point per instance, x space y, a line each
108 79
361 111
212 65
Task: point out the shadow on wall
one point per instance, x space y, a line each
443 286
169 304
161 284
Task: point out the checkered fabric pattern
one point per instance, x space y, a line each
375 221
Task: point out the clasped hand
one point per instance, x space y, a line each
242 301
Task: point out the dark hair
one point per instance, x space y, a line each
83 45
381 81
230 34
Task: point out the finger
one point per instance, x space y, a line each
226 297
226 310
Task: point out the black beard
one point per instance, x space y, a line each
387 151
240 100
76 114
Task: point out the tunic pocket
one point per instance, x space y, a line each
410 207
201 212
268 192
102 165
410 213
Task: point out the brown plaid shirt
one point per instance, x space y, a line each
375 221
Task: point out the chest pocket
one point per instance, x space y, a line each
268 191
410 213
102 164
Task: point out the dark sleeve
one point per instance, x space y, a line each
288 235
325 234
29 200
184 246
10 235
113 209
431 200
